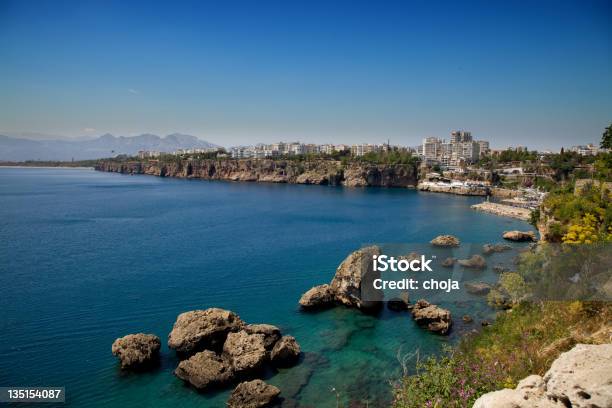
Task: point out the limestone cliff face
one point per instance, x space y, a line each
322 172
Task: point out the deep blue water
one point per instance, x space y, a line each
86 257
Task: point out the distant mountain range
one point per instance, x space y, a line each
21 149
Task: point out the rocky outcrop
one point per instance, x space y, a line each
432 317
253 394
519 236
245 352
475 262
317 297
271 334
206 370
352 283
579 378
477 288
503 210
489 249
322 172
137 351
445 241
351 286
464 189
286 352
202 329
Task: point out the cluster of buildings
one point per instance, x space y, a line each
587 150
460 149
153 154
261 151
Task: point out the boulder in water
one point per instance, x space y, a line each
137 350
286 352
445 241
253 394
520 236
434 318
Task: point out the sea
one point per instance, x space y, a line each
87 257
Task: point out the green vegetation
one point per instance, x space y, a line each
523 341
606 138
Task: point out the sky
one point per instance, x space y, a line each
513 72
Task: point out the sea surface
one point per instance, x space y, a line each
86 257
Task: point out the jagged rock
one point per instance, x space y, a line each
434 318
467 319
136 350
477 288
579 378
202 329
445 241
271 333
317 297
352 283
286 352
475 262
205 370
488 249
246 352
449 262
253 394
519 236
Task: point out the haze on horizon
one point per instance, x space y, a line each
514 73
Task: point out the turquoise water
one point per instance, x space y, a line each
86 257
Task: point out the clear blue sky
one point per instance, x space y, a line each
514 72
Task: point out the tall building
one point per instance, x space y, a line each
484 147
431 148
458 136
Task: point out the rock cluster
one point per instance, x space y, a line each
519 236
580 378
245 348
445 241
137 351
434 318
351 285
202 329
475 262
217 349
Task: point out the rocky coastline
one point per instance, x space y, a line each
319 172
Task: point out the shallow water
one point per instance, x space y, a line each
86 257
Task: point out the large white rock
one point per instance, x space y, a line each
579 378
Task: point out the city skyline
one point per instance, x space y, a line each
512 73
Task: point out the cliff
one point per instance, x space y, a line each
321 172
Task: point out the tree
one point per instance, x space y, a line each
606 138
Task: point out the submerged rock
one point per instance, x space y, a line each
317 297
449 262
477 288
202 329
253 394
434 318
467 319
205 370
246 352
286 352
445 241
580 378
137 350
398 304
519 236
475 262
488 249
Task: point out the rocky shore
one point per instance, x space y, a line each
503 210
320 172
451 188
